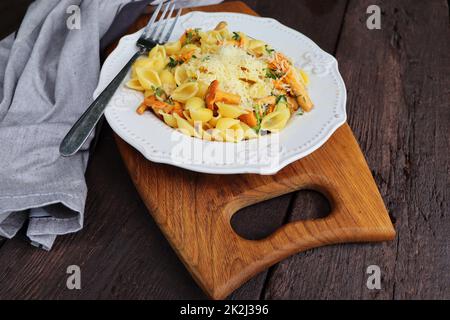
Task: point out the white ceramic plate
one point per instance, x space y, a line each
266 155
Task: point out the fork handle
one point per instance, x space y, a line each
81 130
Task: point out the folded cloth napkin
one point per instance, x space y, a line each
50 69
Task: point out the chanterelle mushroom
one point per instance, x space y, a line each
210 97
153 102
221 25
213 95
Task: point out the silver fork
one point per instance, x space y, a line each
154 33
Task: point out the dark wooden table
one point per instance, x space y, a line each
398 81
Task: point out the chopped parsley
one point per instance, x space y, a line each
259 117
172 63
159 92
189 37
161 95
300 112
273 74
269 50
236 36
281 99
257 128
206 58
192 36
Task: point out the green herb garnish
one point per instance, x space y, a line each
270 74
159 92
300 112
257 128
192 36
273 74
269 50
236 36
281 99
189 36
172 63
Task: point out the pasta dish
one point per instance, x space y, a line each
220 85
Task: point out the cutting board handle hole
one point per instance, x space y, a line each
260 220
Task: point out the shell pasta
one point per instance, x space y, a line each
220 85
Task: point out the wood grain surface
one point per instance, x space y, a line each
194 210
398 107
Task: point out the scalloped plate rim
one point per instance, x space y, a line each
242 169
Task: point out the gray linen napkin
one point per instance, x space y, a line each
48 73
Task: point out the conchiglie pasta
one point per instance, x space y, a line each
194 103
224 33
173 47
249 133
231 129
202 89
157 62
226 123
168 119
276 120
142 62
187 116
135 84
148 78
180 75
167 81
281 106
201 114
183 125
230 111
157 50
185 92
256 46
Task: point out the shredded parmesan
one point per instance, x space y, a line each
237 72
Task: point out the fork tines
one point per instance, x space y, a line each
155 31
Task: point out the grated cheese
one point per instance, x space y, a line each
237 72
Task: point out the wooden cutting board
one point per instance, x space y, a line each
194 210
